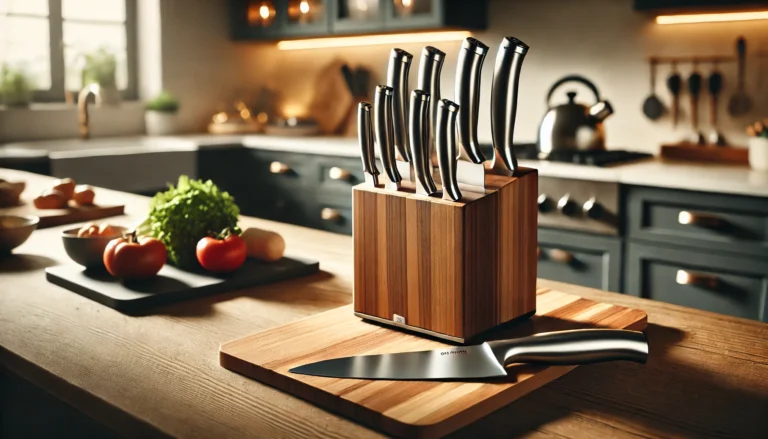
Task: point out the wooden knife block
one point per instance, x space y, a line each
452 270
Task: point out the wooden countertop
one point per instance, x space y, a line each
158 375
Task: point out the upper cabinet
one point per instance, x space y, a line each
698 5
280 19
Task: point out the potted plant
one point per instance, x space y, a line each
15 87
100 68
160 117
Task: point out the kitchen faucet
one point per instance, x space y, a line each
82 107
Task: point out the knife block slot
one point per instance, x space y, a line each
453 270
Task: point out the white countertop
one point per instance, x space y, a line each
705 177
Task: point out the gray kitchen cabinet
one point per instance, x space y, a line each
733 285
722 223
580 258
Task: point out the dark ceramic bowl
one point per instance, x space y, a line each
88 251
14 230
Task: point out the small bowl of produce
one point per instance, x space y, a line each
14 230
85 245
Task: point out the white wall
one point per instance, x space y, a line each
604 40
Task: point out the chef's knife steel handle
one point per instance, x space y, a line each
580 346
430 66
397 78
365 138
383 131
445 144
506 78
468 70
418 128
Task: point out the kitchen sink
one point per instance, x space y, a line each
131 164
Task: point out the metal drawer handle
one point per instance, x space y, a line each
687 218
329 214
555 254
279 168
336 173
691 278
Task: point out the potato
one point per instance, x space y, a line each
66 186
51 199
84 195
263 244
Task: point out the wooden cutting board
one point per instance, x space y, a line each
72 214
408 408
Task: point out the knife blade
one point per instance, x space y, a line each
445 144
397 78
365 139
382 129
418 128
471 170
506 78
489 359
430 66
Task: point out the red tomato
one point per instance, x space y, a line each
134 258
221 255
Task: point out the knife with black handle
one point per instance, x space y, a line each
397 78
418 129
506 78
471 171
489 359
430 66
365 138
382 129
445 144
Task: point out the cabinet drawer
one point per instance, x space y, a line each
724 284
337 175
282 170
333 214
727 223
581 259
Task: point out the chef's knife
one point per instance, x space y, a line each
445 144
471 170
488 360
430 66
365 138
382 129
418 128
397 78
506 77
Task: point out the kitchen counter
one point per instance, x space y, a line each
158 375
706 177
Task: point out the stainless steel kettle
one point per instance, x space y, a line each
573 126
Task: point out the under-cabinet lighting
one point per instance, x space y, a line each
712 18
370 40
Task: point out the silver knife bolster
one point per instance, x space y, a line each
467 90
365 139
417 126
397 78
580 346
445 144
383 133
506 76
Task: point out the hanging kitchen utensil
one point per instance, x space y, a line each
674 84
694 88
740 102
653 108
715 86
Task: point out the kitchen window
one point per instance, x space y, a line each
60 44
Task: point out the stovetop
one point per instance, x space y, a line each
592 158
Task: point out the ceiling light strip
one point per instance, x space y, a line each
370 40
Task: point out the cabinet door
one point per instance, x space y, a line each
357 16
255 19
305 17
581 259
736 286
413 14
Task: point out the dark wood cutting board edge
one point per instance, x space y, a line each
72 277
489 396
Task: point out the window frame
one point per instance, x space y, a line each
57 92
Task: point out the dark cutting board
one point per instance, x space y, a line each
410 408
172 284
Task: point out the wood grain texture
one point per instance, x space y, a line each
159 375
413 408
709 153
71 215
438 262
